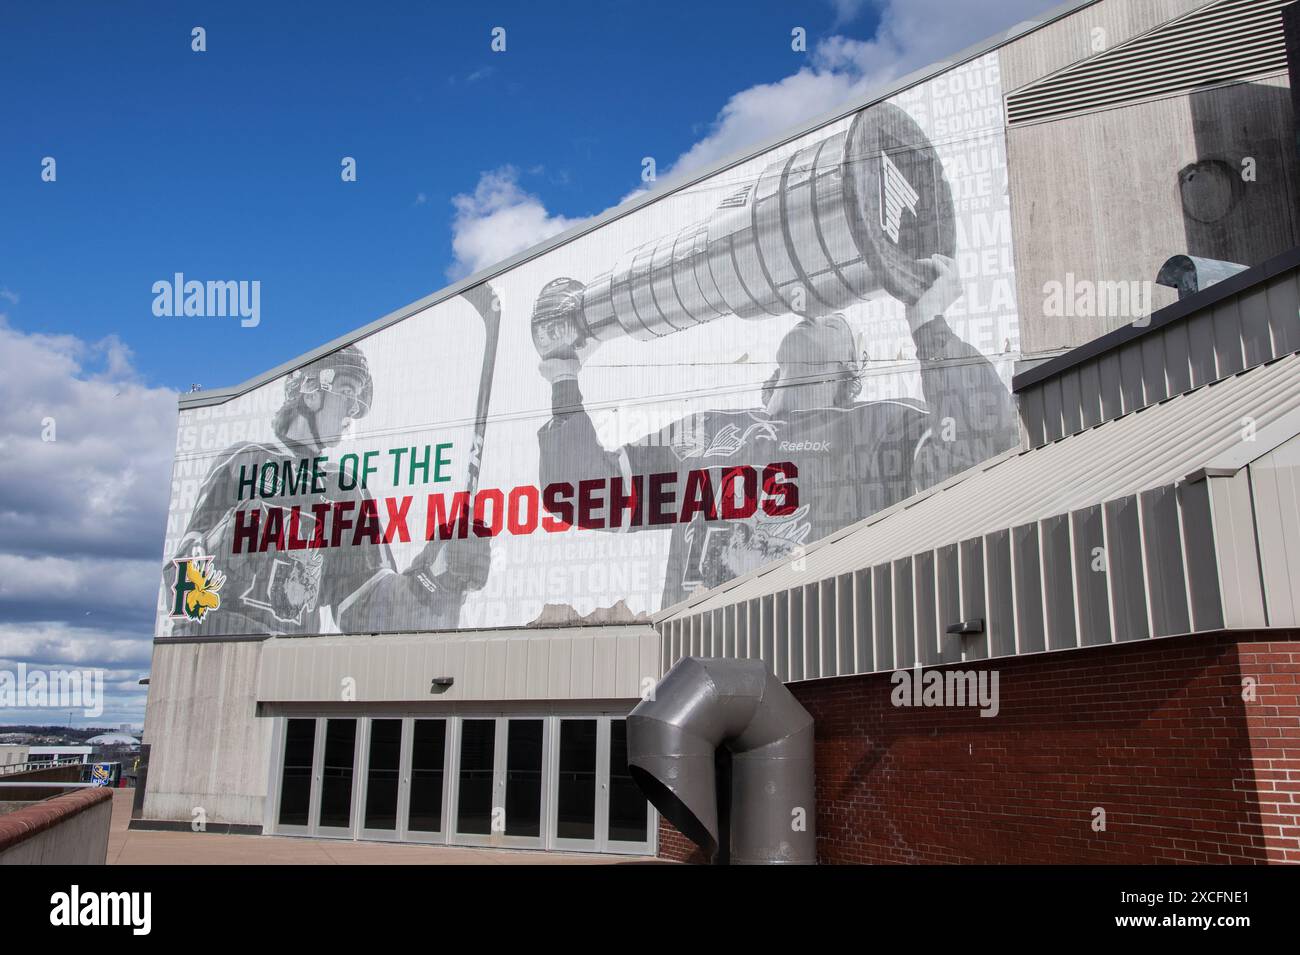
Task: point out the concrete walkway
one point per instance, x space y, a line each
126 847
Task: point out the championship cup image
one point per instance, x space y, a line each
854 215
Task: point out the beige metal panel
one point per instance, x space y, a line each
923 600
582 670
795 638
882 600
1164 559
515 672
863 622
1283 309
1275 484
559 668
905 653
1237 551
572 663
1000 624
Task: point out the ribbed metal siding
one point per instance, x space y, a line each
1240 332
544 664
1093 540
1103 575
1222 42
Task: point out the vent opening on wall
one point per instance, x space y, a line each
1223 42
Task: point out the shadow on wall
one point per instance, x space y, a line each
1239 195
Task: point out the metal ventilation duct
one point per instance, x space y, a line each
738 706
1223 42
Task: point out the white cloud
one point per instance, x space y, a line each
910 35
82 517
53 643
499 219
99 489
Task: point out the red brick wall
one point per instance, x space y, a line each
1155 733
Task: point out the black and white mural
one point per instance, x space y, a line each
705 385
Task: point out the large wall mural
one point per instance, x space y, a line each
700 387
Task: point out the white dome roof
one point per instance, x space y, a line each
113 739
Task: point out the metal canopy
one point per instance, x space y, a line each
551 663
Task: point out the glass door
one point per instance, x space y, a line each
521 783
293 814
596 805
381 783
628 816
576 750
499 792
336 778
475 776
425 780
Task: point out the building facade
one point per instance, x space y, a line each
414 581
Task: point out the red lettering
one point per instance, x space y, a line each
296 540
246 533
340 523
482 526
660 496
698 497
528 522
438 523
555 497
273 534
589 502
618 502
747 478
368 528
321 513
787 491
397 519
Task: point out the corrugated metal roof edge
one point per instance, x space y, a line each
1183 308
1223 464
216 396
689 603
503 633
544 629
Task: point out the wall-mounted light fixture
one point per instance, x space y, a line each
966 627
440 683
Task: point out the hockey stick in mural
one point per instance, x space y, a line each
488 306
484 300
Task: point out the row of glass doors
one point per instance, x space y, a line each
529 782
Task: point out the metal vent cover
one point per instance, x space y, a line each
1222 42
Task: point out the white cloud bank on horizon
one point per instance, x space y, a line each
81 517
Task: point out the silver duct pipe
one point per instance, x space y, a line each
673 741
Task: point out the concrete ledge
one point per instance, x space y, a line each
212 828
24 825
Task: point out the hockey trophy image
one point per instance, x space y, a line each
862 213
843 219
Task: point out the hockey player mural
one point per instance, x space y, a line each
727 375
286 589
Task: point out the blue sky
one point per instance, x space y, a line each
225 164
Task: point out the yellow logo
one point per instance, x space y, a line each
196 588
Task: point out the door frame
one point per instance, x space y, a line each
453 716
